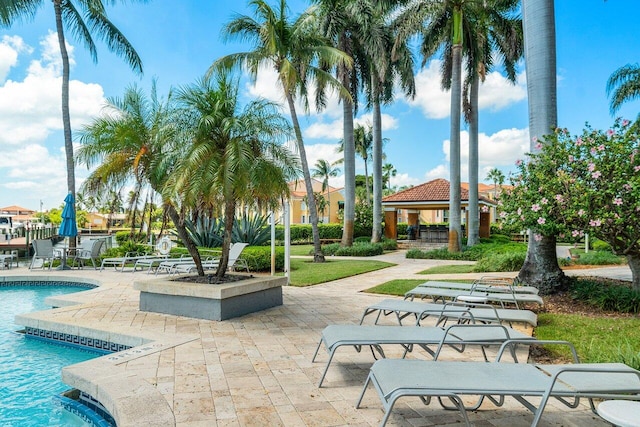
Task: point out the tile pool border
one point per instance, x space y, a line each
101 346
86 410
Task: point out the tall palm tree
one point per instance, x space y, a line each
541 267
341 22
136 140
388 171
237 151
623 85
441 26
325 170
299 55
497 177
497 33
84 19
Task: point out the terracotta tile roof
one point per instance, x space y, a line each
432 191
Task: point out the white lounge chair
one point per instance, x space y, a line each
120 263
483 313
444 295
487 284
458 336
397 378
89 250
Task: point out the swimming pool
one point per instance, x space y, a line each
30 368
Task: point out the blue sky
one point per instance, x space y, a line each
179 40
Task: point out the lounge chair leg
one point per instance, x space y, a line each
364 389
324 374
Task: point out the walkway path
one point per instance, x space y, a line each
251 371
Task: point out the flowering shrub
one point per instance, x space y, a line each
582 184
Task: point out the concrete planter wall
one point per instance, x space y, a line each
209 301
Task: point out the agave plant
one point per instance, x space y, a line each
205 232
253 229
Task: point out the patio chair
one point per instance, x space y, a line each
484 313
487 284
502 297
43 249
150 263
457 336
119 263
397 378
89 251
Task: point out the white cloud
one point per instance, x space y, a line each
334 130
403 179
500 150
31 118
10 47
495 93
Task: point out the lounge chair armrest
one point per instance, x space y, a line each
512 343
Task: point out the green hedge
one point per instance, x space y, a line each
302 232
358 249
125 236
258 257
620 298
501 262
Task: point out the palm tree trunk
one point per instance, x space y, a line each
377 163
366 181
229 217
318 256
455 238
178 222
349 174
541 267
473 227
66 118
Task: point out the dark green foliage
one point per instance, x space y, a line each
301 233
599 258
438 254
401 228
389 244
363 220
205 232
606 296
259 258
124 236
253 230
512 261
358 249
362 239
127 246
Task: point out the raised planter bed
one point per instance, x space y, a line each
210 301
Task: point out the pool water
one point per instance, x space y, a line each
30 368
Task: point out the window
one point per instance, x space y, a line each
303 219
303 206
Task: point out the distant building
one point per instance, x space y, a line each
299 212
100 221
19 214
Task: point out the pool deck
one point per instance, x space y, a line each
254 370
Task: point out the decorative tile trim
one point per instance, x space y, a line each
101 346
8 282
87 412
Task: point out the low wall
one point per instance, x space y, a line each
210 301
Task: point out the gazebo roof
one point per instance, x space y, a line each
435 192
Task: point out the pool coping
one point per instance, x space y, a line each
129 399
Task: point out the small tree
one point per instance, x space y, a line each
582 184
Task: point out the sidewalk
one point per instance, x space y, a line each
254 370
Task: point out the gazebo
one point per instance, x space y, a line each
430 196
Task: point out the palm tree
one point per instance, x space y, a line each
497 34
497 177
623 86
541 267
388 171
298 54
363 142
82 18
325 170
441 24
237 152
136 141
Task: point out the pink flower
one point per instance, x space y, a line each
544 201
518 162
503 214
636 168
485 209
627 187
538 146
534 139
593 151
625 122
581 212
579 141
535 208
541 220
601 147
576 233
617 201
571 159
610 132
559 198
595 223
537 237
596 175
591 167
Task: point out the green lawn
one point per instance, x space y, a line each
304 272
449 269
597 339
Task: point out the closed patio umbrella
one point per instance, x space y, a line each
68 227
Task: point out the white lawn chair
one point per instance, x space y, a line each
88 251
43 249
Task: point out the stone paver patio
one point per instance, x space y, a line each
255 370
